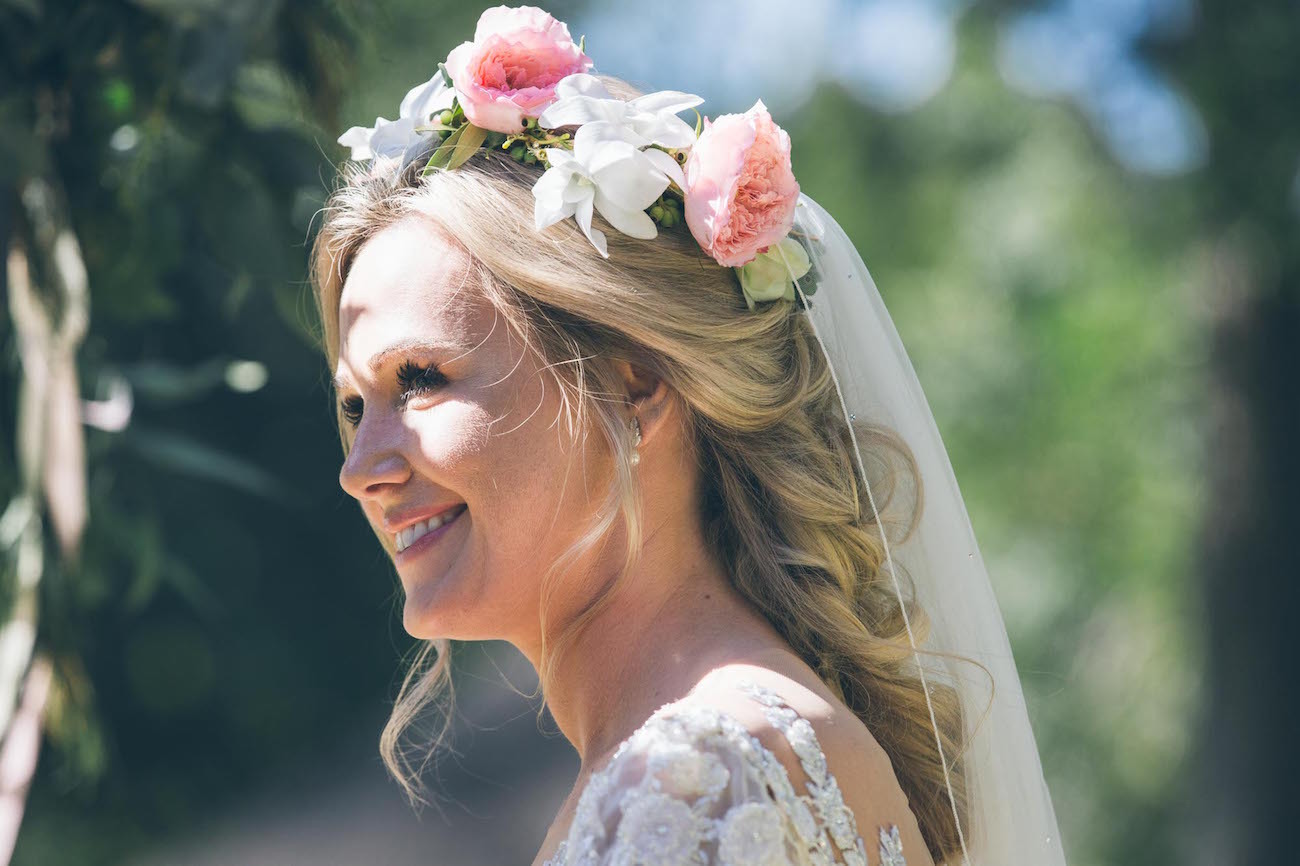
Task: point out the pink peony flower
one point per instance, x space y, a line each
510 70
740 191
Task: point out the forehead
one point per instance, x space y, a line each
408 283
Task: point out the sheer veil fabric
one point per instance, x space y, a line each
1010 818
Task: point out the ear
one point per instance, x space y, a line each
649 395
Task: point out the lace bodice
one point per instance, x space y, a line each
692 787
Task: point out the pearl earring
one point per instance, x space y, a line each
636 433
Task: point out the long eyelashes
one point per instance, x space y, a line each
417 379
352 410
413 378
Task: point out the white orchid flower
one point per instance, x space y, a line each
395 137
606 173
650 119
385 138
425 100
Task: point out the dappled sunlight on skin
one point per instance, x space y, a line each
472 424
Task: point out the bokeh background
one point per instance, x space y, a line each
1084 216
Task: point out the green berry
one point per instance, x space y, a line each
530 123
670 218
657 213
517 152
445 117
530 157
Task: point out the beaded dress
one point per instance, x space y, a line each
692 787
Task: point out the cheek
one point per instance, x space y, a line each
531 492
450 438
504 453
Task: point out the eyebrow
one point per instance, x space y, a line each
413 345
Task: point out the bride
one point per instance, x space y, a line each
677 457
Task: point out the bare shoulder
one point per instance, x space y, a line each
852 752
853 756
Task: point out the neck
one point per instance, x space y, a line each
674 617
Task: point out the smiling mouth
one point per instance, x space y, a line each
412 534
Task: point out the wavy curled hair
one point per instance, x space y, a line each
781 497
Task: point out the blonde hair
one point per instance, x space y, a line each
782 502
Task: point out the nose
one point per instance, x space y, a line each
374 463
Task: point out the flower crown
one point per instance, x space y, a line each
523 79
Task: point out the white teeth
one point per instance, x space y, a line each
408 536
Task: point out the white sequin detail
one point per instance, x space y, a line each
657 830
825 791
751 836
891 848
690 773
692 787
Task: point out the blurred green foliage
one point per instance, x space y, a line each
1047 301
188 641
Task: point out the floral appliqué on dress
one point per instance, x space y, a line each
692 787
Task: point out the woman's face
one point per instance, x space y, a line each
454 419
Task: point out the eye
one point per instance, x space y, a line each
352 410
418 379
413 380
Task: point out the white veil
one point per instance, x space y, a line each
1010 821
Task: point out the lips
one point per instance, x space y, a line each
433 526
394 522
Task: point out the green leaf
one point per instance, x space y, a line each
165 382
186 582
438 159
458 147
146 547
470 140
180 453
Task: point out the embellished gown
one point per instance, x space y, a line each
692 787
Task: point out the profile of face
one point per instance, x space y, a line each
451 417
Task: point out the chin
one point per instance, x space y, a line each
437 611
422 623
465 608
419 625
435 588
429 614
